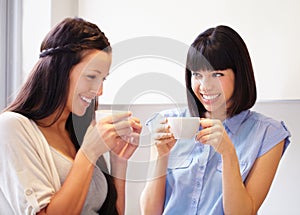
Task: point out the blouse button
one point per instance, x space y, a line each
28 192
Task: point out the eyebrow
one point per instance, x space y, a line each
96 70
210 71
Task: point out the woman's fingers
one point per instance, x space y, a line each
209 126
136 120
205 123
164 146
213 133
121 123
162 128
167 141
128 150
162 136
123 128
133 138
126 146
136 125
114 118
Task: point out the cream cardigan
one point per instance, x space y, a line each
28 176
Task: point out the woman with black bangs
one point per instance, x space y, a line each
229 166
51 149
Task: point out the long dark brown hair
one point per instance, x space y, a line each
46 89
222 48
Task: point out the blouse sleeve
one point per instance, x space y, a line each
275 132
27 176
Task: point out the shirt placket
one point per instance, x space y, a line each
202 154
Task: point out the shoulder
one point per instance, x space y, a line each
14 126
259 117
12 120
270 130
18 135
266 122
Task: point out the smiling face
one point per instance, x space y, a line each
214 89
86 80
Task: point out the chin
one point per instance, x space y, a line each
79 112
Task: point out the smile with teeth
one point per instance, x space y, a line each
87 100
210 97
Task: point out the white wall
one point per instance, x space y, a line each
36 24
61 9
270 29
38 18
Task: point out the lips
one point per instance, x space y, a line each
86 99
208 98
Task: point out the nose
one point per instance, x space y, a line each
205 84
100 90
97 91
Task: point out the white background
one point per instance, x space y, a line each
271 30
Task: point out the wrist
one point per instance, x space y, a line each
83 159
119 172
118 167
90 157
228 151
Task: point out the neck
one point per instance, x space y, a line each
59 124
216 115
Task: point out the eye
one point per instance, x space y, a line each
92 77
218 74
196 75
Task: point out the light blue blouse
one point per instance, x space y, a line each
194 177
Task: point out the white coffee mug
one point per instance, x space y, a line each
184 127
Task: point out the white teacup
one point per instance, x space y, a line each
184 127
99 114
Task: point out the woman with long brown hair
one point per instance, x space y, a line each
51 149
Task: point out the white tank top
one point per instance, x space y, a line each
98 187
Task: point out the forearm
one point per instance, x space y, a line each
118 171
120 185
236 199
153 196
71 197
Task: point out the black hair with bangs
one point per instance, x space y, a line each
221 48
